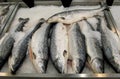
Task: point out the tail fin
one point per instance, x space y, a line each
23 19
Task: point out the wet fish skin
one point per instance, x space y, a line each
111 45
19 51
93 43
73 16
39 48
77 48
62 51
55 54
5 48
6 45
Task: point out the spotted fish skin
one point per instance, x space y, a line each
111 45
19 51
6 44
67 48
94 48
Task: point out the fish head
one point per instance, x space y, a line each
56 18
38 62
14 61
40 65
12 64
97 66
60 65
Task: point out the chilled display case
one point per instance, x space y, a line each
41 11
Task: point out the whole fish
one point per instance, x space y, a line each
67 48
6 43
19 50
69 17
38 48
111 44
93 43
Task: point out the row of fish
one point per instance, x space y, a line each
69 38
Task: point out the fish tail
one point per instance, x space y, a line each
42 20
23 19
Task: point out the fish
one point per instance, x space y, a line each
93 45
69 17
111 45
38 49
20 50
6 45
67 48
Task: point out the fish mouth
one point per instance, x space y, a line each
97 65
13 68
68 67
12 71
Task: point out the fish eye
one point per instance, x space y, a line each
62 18
34 56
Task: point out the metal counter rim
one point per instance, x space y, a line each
61 75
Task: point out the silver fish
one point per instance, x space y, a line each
38 48
19 50
73 16
67 48
93 43
6 44
111 45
